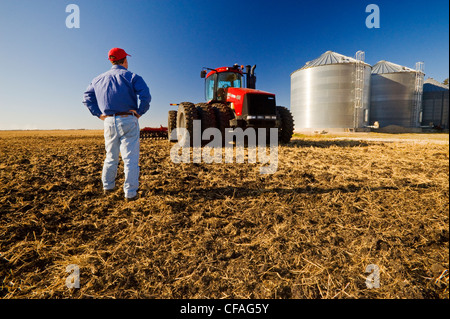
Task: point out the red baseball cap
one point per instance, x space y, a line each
116 54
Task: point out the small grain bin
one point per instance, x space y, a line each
435 104
396 94
331 92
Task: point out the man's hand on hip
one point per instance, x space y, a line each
135 113
102 117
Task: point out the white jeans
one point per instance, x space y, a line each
121 136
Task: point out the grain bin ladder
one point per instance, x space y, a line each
416 114
359 85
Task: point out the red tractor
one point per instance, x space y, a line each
230 104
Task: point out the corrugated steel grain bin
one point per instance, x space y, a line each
331 91
396 93
435 104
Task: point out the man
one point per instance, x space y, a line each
112 97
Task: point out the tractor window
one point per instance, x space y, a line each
229 79
226 80
219 82
209 86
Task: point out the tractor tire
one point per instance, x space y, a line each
207 116
223 115
187 113
172 124
286 129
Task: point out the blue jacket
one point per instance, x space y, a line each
116 91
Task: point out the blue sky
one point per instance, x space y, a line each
46 66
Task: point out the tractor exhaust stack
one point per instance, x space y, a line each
251 78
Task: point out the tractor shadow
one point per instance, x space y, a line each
326 143
231 192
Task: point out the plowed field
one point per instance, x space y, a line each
333 207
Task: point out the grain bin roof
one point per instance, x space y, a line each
389 67
327 58
430 85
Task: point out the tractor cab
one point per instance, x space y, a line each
218 80
225 85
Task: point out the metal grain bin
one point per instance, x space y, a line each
396 94
435 104
331 92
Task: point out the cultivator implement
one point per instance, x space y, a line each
154 133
